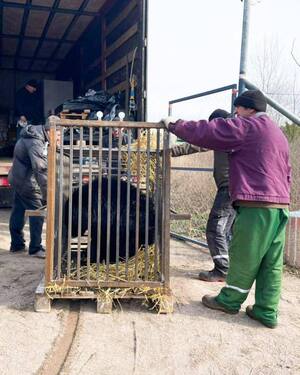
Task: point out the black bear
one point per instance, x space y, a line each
113 218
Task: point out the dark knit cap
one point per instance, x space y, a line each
252 99
32 83
219 113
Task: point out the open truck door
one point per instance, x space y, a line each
88 44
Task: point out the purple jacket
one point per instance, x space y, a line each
259 168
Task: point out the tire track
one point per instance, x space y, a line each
56 359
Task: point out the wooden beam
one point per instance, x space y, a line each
93 82
129 33
121 17
109 284
114 124
120 87
38 213
119 64
94 64
180 216
124 61
50 206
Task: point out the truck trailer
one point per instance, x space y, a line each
70 47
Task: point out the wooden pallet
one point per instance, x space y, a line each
104 305
42 303
66 114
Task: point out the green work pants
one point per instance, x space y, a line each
256 253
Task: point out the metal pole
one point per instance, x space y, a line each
188 239
199 95
244 44
233 97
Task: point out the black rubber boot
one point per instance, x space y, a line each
249 312
210 302
212 276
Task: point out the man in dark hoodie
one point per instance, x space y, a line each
28 177
28 106
222 214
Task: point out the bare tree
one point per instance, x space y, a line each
271 73
280 80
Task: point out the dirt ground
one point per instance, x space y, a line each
133 340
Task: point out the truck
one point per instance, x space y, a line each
88 44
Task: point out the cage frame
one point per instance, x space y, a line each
43 300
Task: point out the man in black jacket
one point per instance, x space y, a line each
222 214
28 177
28 106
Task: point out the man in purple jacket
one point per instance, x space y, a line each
259 184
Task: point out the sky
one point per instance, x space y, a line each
194 46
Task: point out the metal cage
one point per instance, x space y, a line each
109 180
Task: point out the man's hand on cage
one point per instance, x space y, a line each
168 120
179 150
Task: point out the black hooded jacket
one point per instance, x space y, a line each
28 175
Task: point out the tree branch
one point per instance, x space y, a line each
292 53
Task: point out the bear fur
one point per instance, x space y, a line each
113 218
